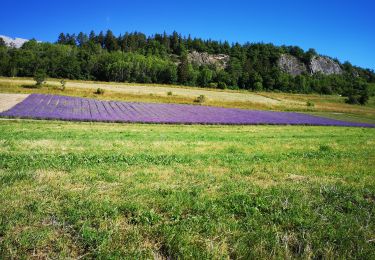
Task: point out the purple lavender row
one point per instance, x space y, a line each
39 106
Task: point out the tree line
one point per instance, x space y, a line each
163 58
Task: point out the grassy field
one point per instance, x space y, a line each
97 190
332 106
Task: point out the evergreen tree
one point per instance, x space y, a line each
82 39
101 39
61 39
183 70
110 42
92 37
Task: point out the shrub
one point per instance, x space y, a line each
310 104
99 91
326 90
63 83
212 85
234 87
169 93
221 85
258 86
40 77
357 99
352 99
200 99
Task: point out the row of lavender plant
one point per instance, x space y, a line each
40 106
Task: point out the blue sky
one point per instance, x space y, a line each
343 29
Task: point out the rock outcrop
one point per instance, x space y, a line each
13 42
324 65
203 58
291 65
317 64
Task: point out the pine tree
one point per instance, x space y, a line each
183 69
61 39
101 39
110 41
82 39
92 37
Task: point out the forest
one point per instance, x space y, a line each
163 58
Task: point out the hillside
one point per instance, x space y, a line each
173 59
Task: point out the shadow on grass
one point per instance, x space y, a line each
29 86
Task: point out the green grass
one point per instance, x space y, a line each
97 190
346 117
324 105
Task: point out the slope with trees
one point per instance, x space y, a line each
162 58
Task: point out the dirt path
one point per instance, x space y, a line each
160 90
7 101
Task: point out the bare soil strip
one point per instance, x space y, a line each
7 101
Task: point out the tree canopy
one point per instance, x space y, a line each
162 58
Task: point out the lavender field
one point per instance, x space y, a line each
39 106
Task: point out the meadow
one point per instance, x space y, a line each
106 190
332 106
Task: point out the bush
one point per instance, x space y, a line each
234 87
326 90
310 104
200 99
352 99
258 86
63 83
357 99
40 77
212 85
99 91
169 93
221 85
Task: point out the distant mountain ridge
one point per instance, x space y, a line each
15 42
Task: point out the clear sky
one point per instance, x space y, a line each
339 28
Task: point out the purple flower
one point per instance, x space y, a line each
41 106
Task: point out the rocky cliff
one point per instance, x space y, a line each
291 65
202 58
324 65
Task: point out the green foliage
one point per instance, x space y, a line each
359 94
258 86
162 58
169 93
205 77
310 103
63 84
183 70
99 91
221 85
200 99
40 77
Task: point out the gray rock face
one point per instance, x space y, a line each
317 64
291 65
324 65
203 58
13 42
